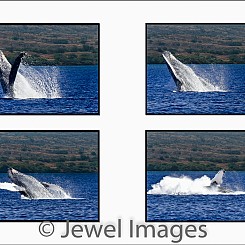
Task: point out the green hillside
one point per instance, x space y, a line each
51 44
74 152
195 151
197 44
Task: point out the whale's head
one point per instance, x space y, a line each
168 55
12 172
15 176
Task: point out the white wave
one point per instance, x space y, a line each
8 186
37 83
13 187
67 196
186 186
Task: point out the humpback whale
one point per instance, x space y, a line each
218 178
8 73
217 181
184 77
31 188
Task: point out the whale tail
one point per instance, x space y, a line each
218 178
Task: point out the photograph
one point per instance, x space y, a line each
49 69
49 175
195 69
195 176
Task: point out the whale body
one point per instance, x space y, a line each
184 77
217 181
218 178
31 188
9 73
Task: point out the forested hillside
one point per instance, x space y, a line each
197 44
195 150
51 44
74 152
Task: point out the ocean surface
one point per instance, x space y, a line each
83 204
54 90
182 196
162 97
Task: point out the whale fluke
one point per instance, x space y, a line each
184 77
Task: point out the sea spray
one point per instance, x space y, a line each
214 73
184 185
8 186
37 82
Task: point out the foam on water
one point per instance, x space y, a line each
61 194
184 185
8 186
33 82
46 198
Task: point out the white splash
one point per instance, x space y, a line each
57 194
33 82
67 196
8 186
188 79
186 186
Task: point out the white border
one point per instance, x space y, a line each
123 122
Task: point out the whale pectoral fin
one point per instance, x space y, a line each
14 69
19 188
167 57
22 191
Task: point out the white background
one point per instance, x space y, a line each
122 122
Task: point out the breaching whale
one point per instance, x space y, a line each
217 181
184 77
9 72
218 178
31 188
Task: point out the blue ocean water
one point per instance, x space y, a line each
78 93
197 207
162 97
84 205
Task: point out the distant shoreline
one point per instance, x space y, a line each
163 63
96 172
197 43
190 60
